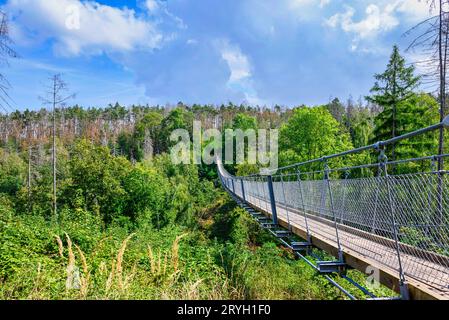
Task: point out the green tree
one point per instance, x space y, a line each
145 132
244 122
311 133
12 173
96 181
361 127
392 87
178 118
336 109
417 112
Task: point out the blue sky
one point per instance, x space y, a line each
267 52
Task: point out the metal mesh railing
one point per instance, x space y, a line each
399 221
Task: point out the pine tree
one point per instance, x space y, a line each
392 87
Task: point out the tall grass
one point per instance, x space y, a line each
165 278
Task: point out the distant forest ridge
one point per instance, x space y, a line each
105 125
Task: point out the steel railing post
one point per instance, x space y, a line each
402 281
331 199
376 201
309 239
343 205
243 189
434 169
272 199
285 203
233 186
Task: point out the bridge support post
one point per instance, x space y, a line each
309 238
403 286
332 207
233 186
345 188
243 190
376 203
285 204
272 199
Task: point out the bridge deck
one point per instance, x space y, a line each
359 250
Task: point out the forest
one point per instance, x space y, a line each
112 218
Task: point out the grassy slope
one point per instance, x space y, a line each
225 257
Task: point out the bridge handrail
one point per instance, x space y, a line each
408 210
375 146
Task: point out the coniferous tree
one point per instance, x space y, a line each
392 87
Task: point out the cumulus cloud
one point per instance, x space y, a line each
240 68
81 27
238 63
379 18
272 54
414 10
376 20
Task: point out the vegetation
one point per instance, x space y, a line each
148 231
132 225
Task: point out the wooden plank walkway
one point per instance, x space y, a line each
426 280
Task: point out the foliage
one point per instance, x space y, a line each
396 83
133 226
12 173
311 133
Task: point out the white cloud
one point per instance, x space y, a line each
241 74
238 63
376 20
414 10
151 5
379 18
192 42
324 3
81 27
302 3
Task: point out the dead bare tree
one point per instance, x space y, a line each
56 96
6 52
433 42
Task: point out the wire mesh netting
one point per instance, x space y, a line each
367 216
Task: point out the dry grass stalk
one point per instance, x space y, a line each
159 262
193 293
60 246
119 266
34 294
111 277
129 278
72 281
165 265
175 252
152 260
86 275
164 271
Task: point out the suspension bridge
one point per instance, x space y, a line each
381 217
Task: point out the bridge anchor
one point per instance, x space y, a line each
331 266
301 247
281 233
264 220
269 225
